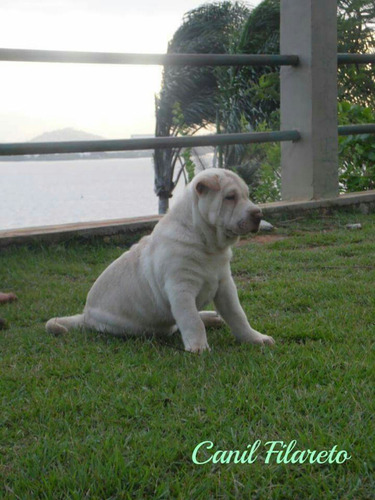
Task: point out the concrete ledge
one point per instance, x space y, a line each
81 229
363 202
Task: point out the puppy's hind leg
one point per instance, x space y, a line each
211 319
60 326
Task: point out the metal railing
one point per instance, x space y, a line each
39 148
60 56
33 148
75 57
54 56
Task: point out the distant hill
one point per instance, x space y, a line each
72 134
67 134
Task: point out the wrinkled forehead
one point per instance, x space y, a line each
231 180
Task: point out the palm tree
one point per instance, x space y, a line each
250 96
355 25
238 99
188 98
255 90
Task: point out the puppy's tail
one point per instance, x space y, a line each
60 326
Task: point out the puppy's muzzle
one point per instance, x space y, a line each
256 216
251 224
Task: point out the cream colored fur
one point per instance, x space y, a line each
170 275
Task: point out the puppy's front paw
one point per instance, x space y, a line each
260 339
197 348
266 340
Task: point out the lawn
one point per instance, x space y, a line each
92 416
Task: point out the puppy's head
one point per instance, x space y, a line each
222 199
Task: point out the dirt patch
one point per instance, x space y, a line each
240 280
262 239
316 248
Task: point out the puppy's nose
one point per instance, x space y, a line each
256 215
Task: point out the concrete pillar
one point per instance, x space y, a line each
309 99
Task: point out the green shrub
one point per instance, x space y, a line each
356 152
262 170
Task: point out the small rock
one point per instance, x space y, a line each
265 226
7 297
354 226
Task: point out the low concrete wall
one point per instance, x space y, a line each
363 202
80 229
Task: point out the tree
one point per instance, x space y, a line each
356 152
250 96
246 98
188 97
256 89
355 22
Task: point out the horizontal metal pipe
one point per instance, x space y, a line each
365 128
355 58
58 56
33 148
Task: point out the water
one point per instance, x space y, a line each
47 193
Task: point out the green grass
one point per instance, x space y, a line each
92 416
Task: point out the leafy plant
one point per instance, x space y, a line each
256 90
184 156
356 152
355 26
192 90
260 167
269 185
251 95
247 98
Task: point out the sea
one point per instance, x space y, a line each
44 193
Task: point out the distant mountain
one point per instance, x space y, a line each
67 134
72 134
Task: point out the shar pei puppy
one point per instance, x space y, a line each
163 282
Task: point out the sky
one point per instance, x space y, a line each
111 101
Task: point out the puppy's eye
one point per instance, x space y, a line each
231 197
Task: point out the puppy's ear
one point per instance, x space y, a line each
210 182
